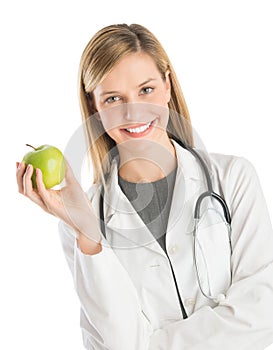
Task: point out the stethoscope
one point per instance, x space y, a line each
211 194
197 215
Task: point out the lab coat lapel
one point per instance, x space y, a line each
124 227
189 180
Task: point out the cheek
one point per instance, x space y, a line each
163 98
110 130
111 118
162 108
164 118
167 96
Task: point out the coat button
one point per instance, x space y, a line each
173 249
190 302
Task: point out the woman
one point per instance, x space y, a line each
134 269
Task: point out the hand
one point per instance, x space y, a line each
69 204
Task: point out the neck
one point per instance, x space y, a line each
146 161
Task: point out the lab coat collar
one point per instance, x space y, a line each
121 216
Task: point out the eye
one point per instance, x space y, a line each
112 99
146 90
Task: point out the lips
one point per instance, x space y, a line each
139 129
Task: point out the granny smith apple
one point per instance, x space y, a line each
51 162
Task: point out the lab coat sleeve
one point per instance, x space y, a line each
111 316
245 319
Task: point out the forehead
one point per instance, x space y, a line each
135 67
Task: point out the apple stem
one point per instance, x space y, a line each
30 146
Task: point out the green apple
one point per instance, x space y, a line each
51 162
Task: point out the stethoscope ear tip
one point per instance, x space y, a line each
220 297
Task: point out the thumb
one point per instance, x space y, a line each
69 175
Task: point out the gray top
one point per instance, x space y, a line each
152 202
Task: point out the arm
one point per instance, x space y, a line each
245 319
111 316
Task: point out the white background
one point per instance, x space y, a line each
222 53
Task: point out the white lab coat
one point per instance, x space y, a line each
128 296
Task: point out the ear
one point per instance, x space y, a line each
168 85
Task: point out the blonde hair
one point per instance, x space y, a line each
101 54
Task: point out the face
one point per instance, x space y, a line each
132 100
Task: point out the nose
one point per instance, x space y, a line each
131 111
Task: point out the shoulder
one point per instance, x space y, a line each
234 175
225 165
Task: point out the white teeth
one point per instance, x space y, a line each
140 129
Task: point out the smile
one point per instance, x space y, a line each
140 130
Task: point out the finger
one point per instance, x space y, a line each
29 191
42 191
45 194
27 180
19 177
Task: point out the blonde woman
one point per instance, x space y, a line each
144 278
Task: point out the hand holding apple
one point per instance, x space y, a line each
70 203
51 162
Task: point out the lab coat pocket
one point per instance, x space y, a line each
213 241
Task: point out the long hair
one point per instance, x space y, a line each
103 51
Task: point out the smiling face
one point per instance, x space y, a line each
132 100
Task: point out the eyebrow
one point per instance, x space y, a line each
117 92
146 82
